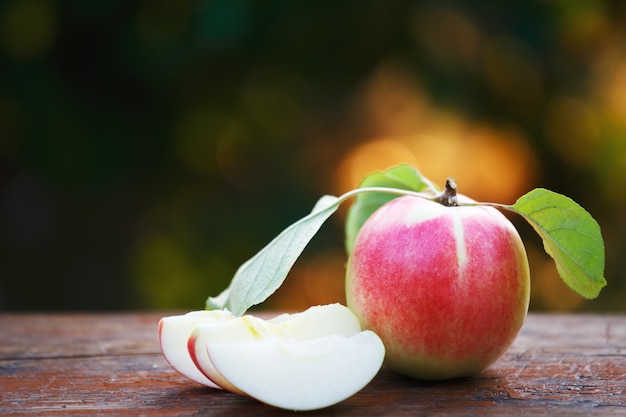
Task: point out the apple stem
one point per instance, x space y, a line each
448 196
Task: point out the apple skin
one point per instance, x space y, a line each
445 287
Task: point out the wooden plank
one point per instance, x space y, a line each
72 335
110 364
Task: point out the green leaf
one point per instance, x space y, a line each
403 177
263 274
570 236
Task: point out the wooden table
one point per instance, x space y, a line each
110 364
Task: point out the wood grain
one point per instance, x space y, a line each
110 364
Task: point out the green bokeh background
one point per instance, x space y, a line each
149 148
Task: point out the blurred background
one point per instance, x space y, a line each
147 149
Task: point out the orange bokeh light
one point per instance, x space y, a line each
490 163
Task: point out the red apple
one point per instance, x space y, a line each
446 287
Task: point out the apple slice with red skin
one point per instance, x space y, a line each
236 330
174 332
300 375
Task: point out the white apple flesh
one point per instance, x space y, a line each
318 321
300 374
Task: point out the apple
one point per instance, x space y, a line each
174 332
300 361
445 286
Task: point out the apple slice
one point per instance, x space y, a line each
174 331
247 328
300 374
314 322
318 321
